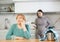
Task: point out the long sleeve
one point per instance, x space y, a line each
27 33
49 23
36 23
10 33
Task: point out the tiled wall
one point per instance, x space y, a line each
30 18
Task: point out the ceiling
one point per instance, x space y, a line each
11 1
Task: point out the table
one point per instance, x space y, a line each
31 40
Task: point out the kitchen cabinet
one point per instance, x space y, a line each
7 7
3 34
33 31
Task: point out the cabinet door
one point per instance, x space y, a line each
3 34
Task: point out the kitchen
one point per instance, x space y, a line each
7 16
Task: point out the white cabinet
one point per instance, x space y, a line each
33 30
7 7
22 7
3 34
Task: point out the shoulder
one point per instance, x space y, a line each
36 19
26 25
13 26
45 17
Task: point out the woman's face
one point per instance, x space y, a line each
40 14
19 19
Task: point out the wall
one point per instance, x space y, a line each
30 18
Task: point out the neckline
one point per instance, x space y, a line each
18 28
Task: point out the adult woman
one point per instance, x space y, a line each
42 23
20 30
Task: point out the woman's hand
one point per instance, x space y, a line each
23 25
19 38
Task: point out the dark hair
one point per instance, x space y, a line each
39 11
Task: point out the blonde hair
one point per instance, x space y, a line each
22 16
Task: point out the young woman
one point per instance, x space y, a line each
42 23
20 30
